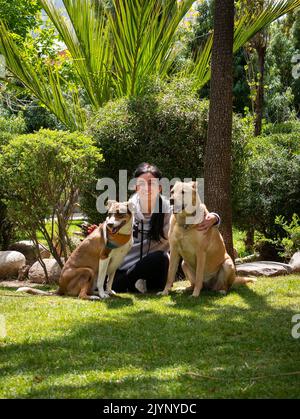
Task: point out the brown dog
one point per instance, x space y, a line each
100 254
206 263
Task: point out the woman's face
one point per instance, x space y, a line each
147 186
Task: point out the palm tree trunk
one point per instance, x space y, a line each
217 164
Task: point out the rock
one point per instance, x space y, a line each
27 247
36 272
263 268
295 262
246 259
10 263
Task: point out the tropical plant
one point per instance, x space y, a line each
115 50
42 175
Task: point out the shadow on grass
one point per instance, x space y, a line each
220 351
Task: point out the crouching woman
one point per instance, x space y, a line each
145 268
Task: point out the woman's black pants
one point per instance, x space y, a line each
153 268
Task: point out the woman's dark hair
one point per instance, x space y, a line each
144 168
157 219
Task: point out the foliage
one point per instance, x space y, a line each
20 15
124 46
281 87
42 176
290 243
167 127
269 184
9 127
41 47
287 127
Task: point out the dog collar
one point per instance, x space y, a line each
114 241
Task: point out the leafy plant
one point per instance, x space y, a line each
42 175
290 243
115 50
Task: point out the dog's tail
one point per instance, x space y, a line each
240 280
35 291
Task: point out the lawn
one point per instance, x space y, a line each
144 346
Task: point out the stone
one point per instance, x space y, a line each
295 262
10 263
263 268
27 247
37 275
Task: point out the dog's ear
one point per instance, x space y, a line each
109 203
131 207
174 186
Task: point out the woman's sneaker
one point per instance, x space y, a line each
141 286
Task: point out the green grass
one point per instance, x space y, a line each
74 227
144 346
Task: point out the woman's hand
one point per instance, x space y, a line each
209 221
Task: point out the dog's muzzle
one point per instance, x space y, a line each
114 230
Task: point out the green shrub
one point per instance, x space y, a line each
290 243
270 184
10 126
168 128
42 175
282 128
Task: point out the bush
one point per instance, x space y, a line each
42 175
290 243
288 127
10 126
270 184
168 128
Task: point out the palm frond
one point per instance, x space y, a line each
245 28
42 80
87 36
143 33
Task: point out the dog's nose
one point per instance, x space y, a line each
110 225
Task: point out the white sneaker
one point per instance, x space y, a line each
141 286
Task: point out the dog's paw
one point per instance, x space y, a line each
103 295
94 298
111 293
163 293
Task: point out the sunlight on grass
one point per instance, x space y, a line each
145 346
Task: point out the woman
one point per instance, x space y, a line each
145 268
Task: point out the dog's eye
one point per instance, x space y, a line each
121 215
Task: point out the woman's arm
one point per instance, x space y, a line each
211 219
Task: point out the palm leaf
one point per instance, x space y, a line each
144 33
87 36
42 80
245 29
